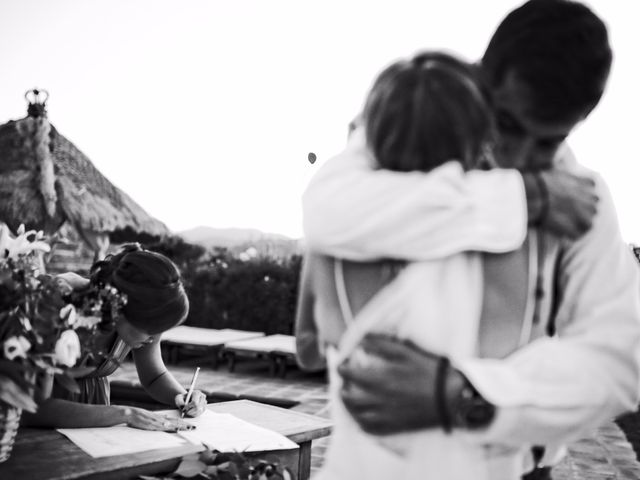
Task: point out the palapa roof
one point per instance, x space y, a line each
45 180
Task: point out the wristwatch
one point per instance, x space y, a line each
469 410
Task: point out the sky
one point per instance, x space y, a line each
204 111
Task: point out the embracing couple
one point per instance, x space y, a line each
466 282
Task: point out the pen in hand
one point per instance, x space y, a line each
190 392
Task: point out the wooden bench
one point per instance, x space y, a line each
280 350
204 341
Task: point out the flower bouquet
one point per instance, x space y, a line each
42 333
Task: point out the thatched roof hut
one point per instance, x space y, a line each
46 181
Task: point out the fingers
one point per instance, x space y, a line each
364 374
73 280
361 406
146 420
173 425
573 203
373 412
197 404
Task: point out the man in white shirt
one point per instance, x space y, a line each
546 67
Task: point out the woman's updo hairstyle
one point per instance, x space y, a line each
156 299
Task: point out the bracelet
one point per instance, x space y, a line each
544 199
441 394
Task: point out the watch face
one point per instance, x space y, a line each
471 411
480 413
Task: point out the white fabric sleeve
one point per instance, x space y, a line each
352 211
558 389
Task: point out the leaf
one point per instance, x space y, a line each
67 382
272 459
208 457
77 372
190 466
16 372
12 394
243 470
211 470
41 363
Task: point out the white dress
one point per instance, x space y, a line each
437 305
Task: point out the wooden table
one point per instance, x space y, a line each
45 454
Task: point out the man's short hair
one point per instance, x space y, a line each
559 49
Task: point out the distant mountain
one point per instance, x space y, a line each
239 239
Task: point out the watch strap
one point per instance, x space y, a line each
442 371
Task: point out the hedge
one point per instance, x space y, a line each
248 291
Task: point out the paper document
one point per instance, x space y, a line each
217 431
120 440
227 433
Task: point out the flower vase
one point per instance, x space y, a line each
9 424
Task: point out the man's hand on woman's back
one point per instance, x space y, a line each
394 390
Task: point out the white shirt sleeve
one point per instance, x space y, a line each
353 211
557 389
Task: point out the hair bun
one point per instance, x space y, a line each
156 299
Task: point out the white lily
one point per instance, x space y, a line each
67 350
16 347
20 245
68 313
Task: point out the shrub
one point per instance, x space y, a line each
256 294
245 291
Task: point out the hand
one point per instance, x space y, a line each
390 387
572 201
197 403
146 420
71 281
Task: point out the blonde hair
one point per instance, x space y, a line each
425 111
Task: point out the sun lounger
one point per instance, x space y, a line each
201 340
280 350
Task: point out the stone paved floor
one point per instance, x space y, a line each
605 456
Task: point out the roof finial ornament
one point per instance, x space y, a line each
37 98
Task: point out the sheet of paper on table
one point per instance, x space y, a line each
217 431
227 433
120 440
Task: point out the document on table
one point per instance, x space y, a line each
217 431
120 440
227 433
